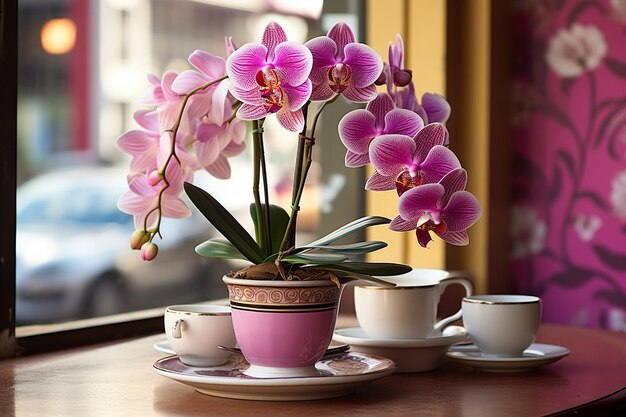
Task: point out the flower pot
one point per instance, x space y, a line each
283 327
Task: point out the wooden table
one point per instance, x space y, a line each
117 379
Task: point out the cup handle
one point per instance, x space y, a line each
454 278
177 329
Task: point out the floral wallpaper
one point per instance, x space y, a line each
569 181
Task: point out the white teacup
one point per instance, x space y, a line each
502 325
195 330
408 310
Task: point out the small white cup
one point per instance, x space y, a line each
502 325
195 330
408 310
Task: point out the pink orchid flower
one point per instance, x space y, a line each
271 77
340 65
143 197
154 94
216 143
215 135
359 128
444 208
143 145
403 162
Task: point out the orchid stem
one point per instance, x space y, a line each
303 164
262 216
172 154
266 198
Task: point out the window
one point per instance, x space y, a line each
80 67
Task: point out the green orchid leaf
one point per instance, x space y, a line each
313 258
370 268
225 223
218 248
349 249
350 228
278 224
345 276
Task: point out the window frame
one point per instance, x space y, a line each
8 155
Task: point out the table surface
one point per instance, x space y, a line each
117 379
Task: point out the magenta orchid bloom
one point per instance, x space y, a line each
343 66
403 162
271 77
444 208
197 121
359 128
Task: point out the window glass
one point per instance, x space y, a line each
82 65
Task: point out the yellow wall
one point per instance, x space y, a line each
423 25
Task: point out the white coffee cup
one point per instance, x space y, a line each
195 330
408 310
502 325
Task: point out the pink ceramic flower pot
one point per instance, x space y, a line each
283 327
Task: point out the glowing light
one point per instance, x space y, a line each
58 36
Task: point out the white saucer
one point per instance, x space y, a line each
535 356
338 375
410 355
164 346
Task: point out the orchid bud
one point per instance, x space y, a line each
154 178
230 45
402 78
149 251
382 78
138 238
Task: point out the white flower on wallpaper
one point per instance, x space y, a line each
619 9
617 320
618 195
586 226
528 232
575 50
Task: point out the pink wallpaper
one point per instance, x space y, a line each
569 123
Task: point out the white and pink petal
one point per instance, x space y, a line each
243 65
414 202
402 121
359 94
378 182
297 96
212 65
294 62
356 160
323 50
438 163
290 120
461 212
365 63
357 129
392 154
342 35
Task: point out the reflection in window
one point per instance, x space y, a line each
82 65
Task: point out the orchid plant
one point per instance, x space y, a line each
197 121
